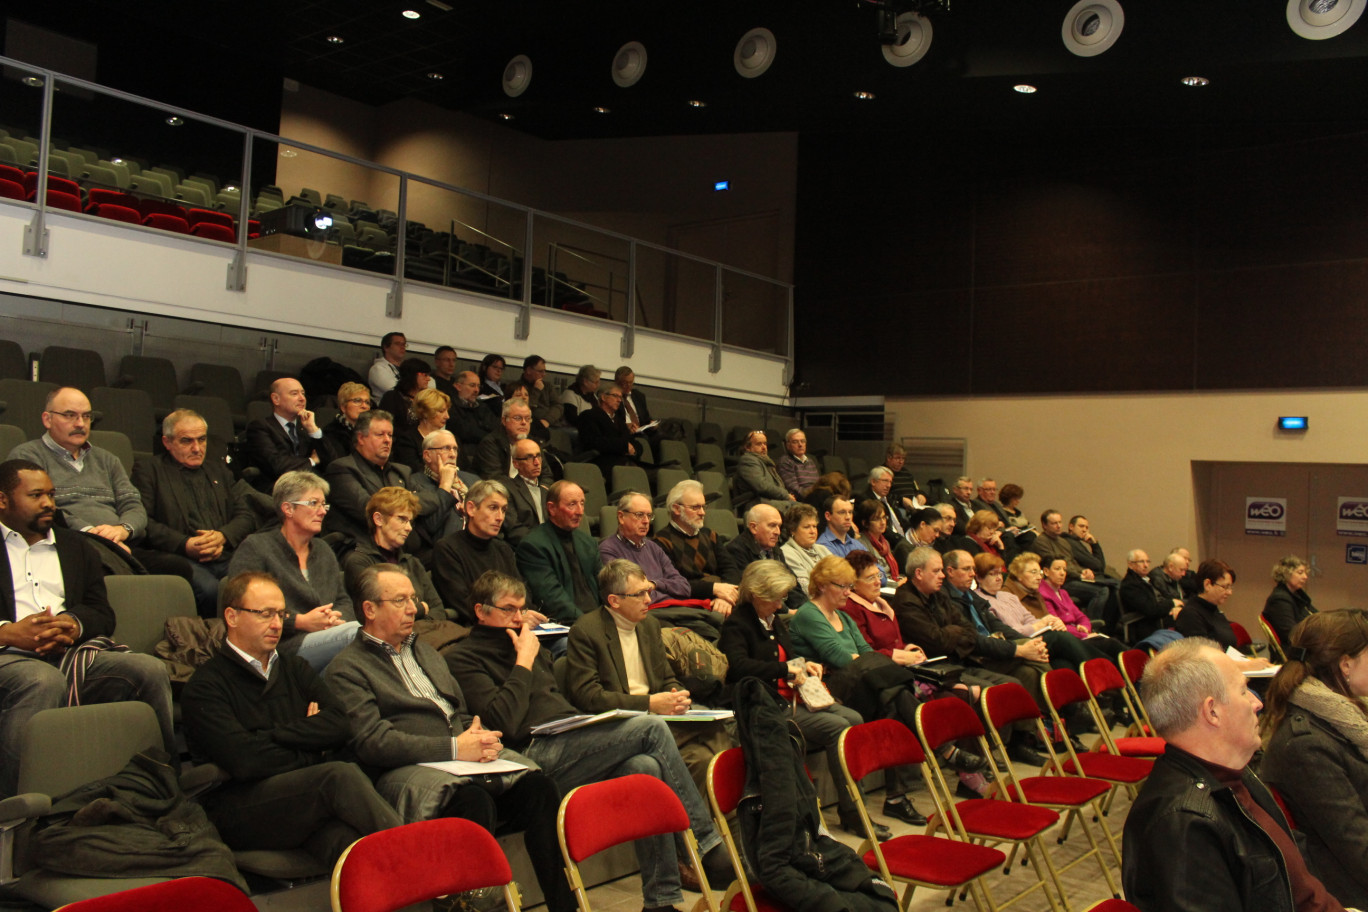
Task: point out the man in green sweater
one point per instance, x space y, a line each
273 727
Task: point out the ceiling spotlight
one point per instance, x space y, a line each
1092 26
1025 88
629 64
1318 19
864 96
911 39
175 121
517 76
1196 81
412 14
697 103
505 116
336 39
35 81
288 153
754 52
436 76
600 109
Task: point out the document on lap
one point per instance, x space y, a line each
570 723
475 768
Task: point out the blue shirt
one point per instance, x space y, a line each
838 547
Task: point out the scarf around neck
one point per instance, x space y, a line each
1339 711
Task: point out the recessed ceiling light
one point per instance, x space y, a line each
1025 88
505 116
35 81
336 39
697 103
600 109
864 96
288 153
412 14
175 121
1196 81
436 76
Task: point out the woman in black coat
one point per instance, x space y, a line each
1288 603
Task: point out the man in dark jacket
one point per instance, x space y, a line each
192 507
508 679
460 558
601 431
287 441
760 541
1205 833
1139 596
356 477
267 720
470 419
559 561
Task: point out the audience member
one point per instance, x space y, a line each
429 411
460 558
280 737
384 372
1018 526
879 487
581 394
1008 600
615 659
759 540
546 411
353 399
925 527
1091 590
961 498
471 421
832 484
1202 616
987 499
94 492
415 375
1153 610
319 620
494 458
983 534
839 534
755 639
527 495
54 600
1315 728
193 506
558 560
632 542
1288 603
444 371
796 468
1059 603
634 415
946 539
1189 581
519 390
695 550
491 379
871 522
355 477
802 552
510 684
391 512
906 493
1168 578
756 478
1204 831
441 488
405 709
288 441
601 432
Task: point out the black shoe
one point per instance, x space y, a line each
965 793
717 868
1078 746
852 825
963 761
905 811
1024 753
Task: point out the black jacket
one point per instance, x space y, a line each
82 581
1190 847
458 560
938 624
470 424
506 696
162 482
752 651
494 454
607 437
353 480
1283 610
266 447
1200 618
522 514
1141 596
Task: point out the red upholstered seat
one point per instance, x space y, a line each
214 232
148 206
56 199
97 195
203 894
60 184
936 861
11 173
1058 791
1139 747
12 189
198 216
1004 819
1102 677
167 223
116 212
1111 767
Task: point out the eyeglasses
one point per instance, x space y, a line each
402 520
401 602
844 587
518 609
449 448
365 402
639 594
311 504
519 417
636 514
528 458
694 507
72 416
870 578
266 614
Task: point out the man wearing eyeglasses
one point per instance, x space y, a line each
460 558
632 542
601 431
406 709
470 419
527 496
391 512
193 508
94 492
441 488
508 680
695 550
494 457
278 735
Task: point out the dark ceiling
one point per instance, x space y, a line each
1260 71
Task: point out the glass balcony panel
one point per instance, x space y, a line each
754 313
462 241
579 269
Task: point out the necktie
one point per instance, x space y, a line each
294 434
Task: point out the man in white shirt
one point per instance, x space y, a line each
384 372
52 599
527 497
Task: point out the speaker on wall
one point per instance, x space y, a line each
754 52
1092 26
517 76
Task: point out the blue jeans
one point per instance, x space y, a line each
319 647
204 580
640 744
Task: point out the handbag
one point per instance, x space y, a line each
814 694
938 674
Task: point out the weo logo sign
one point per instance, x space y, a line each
1268 515
1352 517
1353 509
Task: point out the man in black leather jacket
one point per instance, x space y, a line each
1205 834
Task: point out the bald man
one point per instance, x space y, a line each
285 442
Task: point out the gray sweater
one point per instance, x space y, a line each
101 494
269 551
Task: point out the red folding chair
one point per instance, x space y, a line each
419 861
917 860
601 815
726 784
1133 662
1275 642
945 721
203 894
1102 677
1006 704
1064 688
1242 637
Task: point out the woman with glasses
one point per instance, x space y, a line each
491 379
428 412
338 436
1315 726
801 551
1202 615
319 621
871 521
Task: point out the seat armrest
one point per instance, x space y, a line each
19 808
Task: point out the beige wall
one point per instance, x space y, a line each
1126 460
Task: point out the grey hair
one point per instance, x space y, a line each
880 472
181 414
293 485
1172 558
479 492
491 584
919 558
587 373
366 419
964 479
985 481
1130 555
953 559
1178 681
679 490
510 404
788 435
613 578
625 500
1286 567
430 440
368 583
766 579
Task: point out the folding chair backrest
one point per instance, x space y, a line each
1274 641
945 721
872 746
1242 637
726 780
203 894
604 814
